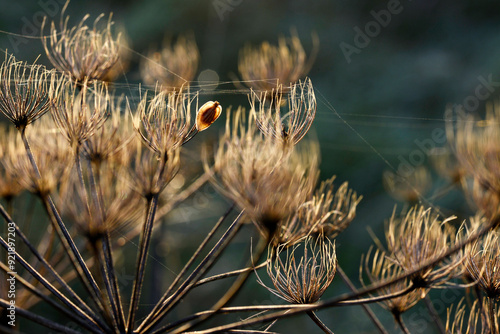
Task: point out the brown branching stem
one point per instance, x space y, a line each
433 313
318 322
401 324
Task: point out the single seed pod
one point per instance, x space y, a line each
207 114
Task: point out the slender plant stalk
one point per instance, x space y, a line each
51 302
492 310
202 267
65 237
365 307
230 274
318 322
434 314
53 290
39 319
108 265
401 324
349 296
186 267
232 291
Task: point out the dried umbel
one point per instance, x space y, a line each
419 237
84 53
380 268
24 91
328 212
302 272
112 137
482 261
80 112
173 66
482 318
477 147
261 68
290 125
165 122
11 150
408 189
262 177
53 157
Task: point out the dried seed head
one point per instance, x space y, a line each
165 122
112 137
85 54
328 212
11 150
477 147
24 91
263 67
482 318
380 268
302 278
80 112
408 189
418 237
482 261
262 177
290 126
207 114
173 66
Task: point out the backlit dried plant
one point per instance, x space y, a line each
408 189
476 145
421 236
10 152
24 91
380 268
261 177
173 66
80 112
328 212
482 318
482 261
84 53
290 125
164 123
302 272
267 65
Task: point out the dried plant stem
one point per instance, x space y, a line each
53 290
367 308
349 296
318 322
108 267
40 320
492 312
47 265
231 292
51 302
68 243
152 204
202 267
401 324
186 267
230 274
434 314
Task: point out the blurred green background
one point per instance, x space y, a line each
371 110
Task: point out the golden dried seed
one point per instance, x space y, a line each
207 114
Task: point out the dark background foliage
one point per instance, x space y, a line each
372 111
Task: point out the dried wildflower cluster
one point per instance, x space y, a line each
101 164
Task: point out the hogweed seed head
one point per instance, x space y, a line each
263 67
482 318
165 122
302 278
83 53
25 91
173 66
290 126
421 236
